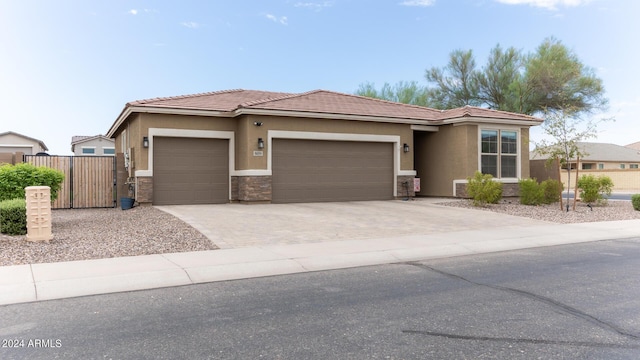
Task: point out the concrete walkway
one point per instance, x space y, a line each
26 283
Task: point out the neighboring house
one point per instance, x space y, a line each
258 146
11 142
97 145
620 163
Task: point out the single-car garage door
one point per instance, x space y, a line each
190 171
318 170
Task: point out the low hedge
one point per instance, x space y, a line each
13 217
14 178
635 201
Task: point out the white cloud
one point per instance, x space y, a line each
190 24
282 20
547 4
422 3
317 6
133 12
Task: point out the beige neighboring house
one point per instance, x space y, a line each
11 142
98 145
620 163
258 146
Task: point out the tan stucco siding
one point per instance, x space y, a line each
524 154
444 156
247 141
98 144
146 121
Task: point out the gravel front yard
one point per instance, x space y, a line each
82 234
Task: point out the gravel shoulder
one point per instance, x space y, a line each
83 234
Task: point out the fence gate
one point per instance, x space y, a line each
89 181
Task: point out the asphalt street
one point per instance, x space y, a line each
564 302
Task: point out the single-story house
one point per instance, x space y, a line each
258 146
98 145
620 163
12 142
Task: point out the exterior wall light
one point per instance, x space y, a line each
405 147
260 143
145 142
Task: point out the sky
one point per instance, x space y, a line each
68 67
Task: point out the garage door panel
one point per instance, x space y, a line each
315 170
190 171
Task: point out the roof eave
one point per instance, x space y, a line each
481 120
321 115
130 109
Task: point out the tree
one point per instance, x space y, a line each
456 84
547 80
406 92
567 129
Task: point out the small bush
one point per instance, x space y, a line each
483 189
531 193
13 217
552 190
593 189
635 201
14 178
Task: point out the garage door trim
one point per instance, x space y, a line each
303 135
182 133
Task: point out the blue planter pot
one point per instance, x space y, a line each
126 203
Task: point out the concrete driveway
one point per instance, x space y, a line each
239 225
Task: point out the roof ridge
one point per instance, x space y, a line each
146 101
467 109
266 100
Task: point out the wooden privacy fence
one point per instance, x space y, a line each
89 181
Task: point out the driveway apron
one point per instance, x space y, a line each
239 225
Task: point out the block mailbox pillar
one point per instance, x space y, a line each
38 200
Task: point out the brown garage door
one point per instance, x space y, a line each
190 171
316 170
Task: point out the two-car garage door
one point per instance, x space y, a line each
317 170
196 171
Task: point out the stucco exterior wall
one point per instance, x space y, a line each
98 144
443 156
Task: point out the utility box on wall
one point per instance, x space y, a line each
38 199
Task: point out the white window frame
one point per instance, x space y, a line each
518 154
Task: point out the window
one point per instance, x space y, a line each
587 166
600 166
108 151
633 166
622 166
88 150
499 153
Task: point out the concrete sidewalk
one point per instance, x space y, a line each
26 283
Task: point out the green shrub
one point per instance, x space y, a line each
635 201
531 193
483 189
13 217
593 189
552 190
14 178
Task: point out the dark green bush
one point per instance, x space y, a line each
14 178
593 189
483 189
552 190
531 193
13 217
635 201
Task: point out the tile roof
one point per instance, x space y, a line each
82 138
602 152
316 102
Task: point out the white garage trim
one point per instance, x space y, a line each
183 133
304 135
